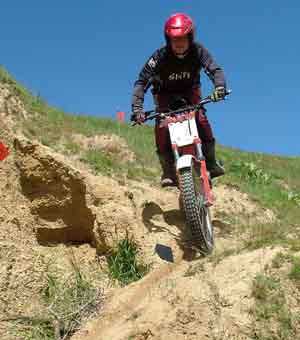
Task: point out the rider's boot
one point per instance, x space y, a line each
168 177
214 167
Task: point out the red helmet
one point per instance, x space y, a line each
178 25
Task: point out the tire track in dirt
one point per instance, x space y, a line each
122 305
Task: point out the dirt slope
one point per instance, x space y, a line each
214 303
185 296
52 205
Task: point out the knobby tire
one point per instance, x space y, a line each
197 214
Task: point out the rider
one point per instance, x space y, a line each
174 72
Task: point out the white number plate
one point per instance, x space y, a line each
183 133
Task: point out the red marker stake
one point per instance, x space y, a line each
3 151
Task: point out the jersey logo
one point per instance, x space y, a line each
180 76
152 63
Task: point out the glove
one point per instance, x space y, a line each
138 117
218 94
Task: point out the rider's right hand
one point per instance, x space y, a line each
138 117
218 94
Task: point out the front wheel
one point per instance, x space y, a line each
197 214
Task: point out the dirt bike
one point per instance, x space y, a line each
193 178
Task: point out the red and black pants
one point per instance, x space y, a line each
162 138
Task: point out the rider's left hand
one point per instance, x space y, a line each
138 117
218 94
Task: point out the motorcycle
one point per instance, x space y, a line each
193 178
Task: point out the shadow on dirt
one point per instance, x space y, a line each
164 252
171 217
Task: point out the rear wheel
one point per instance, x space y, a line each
197 214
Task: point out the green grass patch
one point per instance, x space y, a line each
102 162
282 232
123 265
294 197
72 147
110 165
34 328
264 286
49 128
294 273
51 123
33 103
272 315
250 172
280 259
262 235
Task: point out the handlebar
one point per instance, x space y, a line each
153 114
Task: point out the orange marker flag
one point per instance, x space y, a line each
120 115
3 151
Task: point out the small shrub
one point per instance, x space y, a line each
250 172
294 197
123 264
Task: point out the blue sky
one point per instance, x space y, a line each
83 57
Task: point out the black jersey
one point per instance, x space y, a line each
176 75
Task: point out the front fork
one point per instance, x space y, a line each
203 170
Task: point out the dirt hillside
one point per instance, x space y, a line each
52 206
185 296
